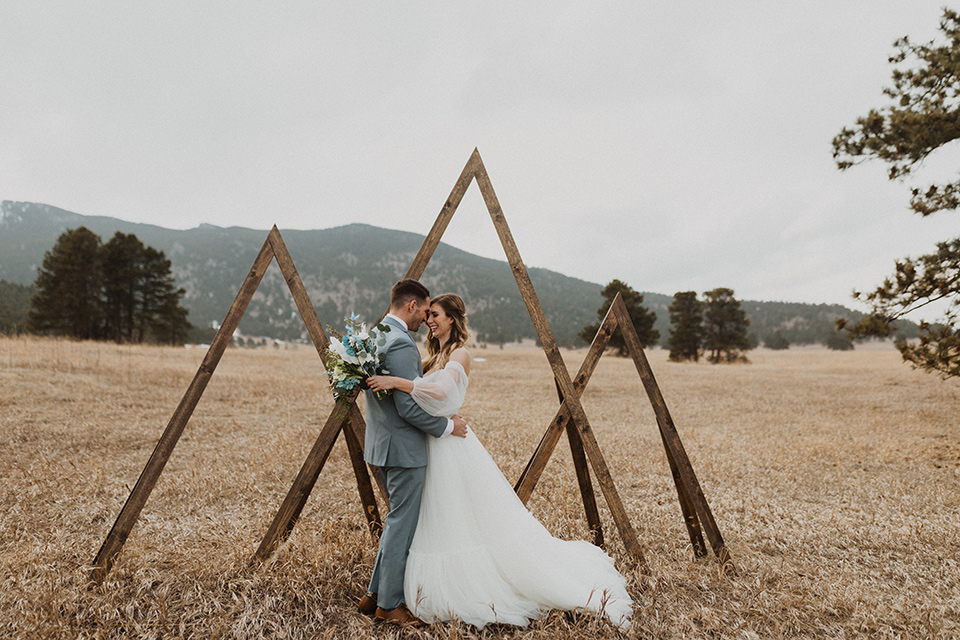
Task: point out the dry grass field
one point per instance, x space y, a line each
834 478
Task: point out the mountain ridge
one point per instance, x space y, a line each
350 268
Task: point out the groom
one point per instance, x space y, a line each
396 442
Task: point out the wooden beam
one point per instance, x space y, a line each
586 487
321 342
562 376
443 219
274 246
299 293
303 484
687 508
686 504
359 427
355 449
538 462
691 494
158 459
587 495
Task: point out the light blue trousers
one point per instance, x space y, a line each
404 491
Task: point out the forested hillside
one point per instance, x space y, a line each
350 269
344 269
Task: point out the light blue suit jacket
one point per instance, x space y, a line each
397 427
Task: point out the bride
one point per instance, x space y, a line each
478 555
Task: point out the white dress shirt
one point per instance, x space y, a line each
449 428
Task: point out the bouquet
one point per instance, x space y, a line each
355 356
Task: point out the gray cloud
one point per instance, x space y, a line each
672 146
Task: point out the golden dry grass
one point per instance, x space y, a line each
834 477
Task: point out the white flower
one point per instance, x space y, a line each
337 347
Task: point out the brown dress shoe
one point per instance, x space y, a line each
368 604
400 615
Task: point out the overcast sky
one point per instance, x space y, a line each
673 145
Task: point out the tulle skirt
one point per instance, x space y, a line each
480 556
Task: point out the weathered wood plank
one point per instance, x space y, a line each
607 486
299 293
158 459
443 219
687 507
562 376
538 462
586 487
359 426
321 342
370 510
303 484
587 495
671 439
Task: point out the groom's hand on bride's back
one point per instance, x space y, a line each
459 427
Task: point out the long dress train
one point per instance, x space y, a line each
478 554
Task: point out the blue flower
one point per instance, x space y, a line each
355 356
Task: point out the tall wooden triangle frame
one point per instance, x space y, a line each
583 443
571 416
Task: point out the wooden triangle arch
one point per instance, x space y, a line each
582 441
345 412
693 504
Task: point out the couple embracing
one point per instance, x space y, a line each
457 542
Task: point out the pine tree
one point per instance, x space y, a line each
68 287
121 291
686 326
160 314
921 118
121 259
838 341
725 327
171 325
642 318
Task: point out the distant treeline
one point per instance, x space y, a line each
771 323
802 323
795 323
121 290
14 306
350 269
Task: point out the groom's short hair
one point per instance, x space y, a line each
406 290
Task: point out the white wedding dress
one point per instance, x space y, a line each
478 554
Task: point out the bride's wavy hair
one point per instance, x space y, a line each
453 306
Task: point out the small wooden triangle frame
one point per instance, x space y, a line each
346 414
693 503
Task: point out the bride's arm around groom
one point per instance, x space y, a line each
395 441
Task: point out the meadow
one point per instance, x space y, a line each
834 478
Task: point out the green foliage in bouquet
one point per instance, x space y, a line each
355 356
